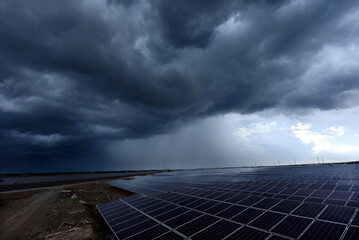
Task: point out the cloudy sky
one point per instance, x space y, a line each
140 84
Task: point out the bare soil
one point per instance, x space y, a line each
33 214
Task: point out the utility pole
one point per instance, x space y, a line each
318 160
295 162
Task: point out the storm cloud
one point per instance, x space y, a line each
76 75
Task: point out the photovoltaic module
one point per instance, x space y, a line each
288 202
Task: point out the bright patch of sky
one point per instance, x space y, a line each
249 140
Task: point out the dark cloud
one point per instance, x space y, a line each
92 71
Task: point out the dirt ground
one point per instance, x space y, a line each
33 214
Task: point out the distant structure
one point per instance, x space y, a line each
318 160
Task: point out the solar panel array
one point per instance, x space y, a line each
297 202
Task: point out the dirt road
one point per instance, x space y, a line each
17 220
27 215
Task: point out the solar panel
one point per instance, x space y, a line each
231 211
251 200
310 210
197 225
304 192
182 219
352 233
337 214
237 198
171 214
275 237
292 226
247 216
206 205
267 220
356 220
169 235
218 208
340 195
286 206
316 202
324 230
267 203
150 233
218 230
130 231
352 204
248 233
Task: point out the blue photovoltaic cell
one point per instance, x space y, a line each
337 214
213 195
328 187
275 237
196 203
305 202
267 220
218 230
343 187
356 219
304 192
188 201
218 208
232 211
292 226
310 210
352 204
150 233
286 206
170 235
171 214
289 191
135 229
267 203
352 234
250 200
206 205
129 223
154 207
335 202
280 196
120 218
246 233
269 195
296 198
275 190
314 186
314 200
162 210
182 219
237 198
247 215
340 195
324 231
197 225
225 196
355 196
